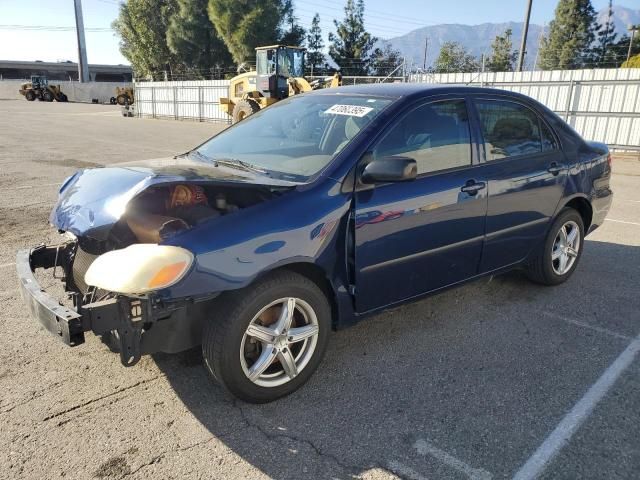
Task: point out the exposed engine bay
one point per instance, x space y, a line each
162 211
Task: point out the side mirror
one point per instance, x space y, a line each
389 169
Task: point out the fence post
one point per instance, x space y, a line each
175 102
153 102
569 98
200 101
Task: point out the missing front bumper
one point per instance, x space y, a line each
136 326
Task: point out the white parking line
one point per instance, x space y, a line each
625 200
425 448
4 265
404 471
578 414
23 187
578 323
621 221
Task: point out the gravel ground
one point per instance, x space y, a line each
467 384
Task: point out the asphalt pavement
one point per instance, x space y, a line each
499 378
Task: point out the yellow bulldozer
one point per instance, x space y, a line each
124 96
279 74
39 88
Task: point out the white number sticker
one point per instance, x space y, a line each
351 110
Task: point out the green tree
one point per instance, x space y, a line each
619 50
193 39
571 35
292 33
502 55
602 56
142 26
386 61
633 62
315 44
351 46
247 24
454 58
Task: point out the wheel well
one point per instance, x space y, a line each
317 276
584 209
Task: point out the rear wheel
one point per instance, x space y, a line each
47 96
122 99
270 337
30 95
243 109
556 261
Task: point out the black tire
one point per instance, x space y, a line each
540 268
243 109
63 98
122 99
47 96
30 95
223 334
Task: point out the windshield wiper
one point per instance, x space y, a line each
239 164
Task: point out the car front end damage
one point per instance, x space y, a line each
131 324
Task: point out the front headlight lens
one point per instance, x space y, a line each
139 268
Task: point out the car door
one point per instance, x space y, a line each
414 237
526 172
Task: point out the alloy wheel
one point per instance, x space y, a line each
279 342
565 248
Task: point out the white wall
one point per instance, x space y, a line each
75 91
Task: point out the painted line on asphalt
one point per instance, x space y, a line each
572 421
425 448
5 265
621 221
404 471
625 200
24 187
595 328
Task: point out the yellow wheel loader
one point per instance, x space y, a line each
124 96
39 88
279 74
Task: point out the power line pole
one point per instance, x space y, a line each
83 67
426 46
525 31
632 29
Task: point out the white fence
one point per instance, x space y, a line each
188 100
602 104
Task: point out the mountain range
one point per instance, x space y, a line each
477 39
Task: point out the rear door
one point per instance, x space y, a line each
418 236
526 172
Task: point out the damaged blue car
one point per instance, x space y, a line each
311 215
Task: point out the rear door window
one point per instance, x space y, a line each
436 135
509 129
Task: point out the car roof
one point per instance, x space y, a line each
397 90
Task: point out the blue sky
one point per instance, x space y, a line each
383 18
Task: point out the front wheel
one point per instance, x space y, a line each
269 338
561 252
47 96
243 109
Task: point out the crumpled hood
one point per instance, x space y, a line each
92 200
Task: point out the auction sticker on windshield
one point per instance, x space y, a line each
351 110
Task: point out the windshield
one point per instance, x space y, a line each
297 137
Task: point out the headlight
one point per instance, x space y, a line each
139 268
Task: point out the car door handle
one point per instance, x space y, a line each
554 169
472 187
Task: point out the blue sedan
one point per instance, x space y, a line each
311 215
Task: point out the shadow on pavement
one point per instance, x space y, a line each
478 372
